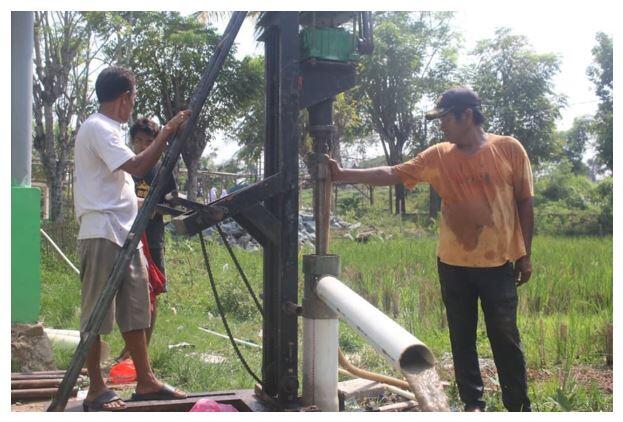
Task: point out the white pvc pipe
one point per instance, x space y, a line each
237 340
406 394
403 350
320 363
64 337
73 267
70 339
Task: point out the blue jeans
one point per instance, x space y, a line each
461 287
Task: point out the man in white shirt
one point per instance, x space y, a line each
106 206
213 194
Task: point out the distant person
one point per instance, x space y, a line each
106 207
223 192
142 134
213 194
485 183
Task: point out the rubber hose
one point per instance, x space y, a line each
362 373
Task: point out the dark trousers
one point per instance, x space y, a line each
461 287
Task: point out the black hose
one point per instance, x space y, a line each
222 313
242 274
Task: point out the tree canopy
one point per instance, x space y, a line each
62 58
600 73
575 141
414 59
168 53
517 91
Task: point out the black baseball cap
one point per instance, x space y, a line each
453 99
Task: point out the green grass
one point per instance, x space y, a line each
563 310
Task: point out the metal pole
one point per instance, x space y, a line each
320 323
140 223
21 97
322 130
280 327
320 337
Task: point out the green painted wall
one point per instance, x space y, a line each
25 254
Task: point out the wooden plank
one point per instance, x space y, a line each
183 405
242 400
398 407
360 388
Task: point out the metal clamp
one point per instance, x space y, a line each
314 268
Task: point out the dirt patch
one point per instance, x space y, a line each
600 376
39 406
30 348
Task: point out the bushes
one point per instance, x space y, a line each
571 204
604 199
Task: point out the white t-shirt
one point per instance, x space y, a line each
104 196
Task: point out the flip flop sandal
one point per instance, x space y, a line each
166 392
97 404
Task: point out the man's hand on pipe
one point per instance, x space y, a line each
177 120
334 168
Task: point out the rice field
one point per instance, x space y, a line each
564 312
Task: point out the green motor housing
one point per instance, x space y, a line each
335 44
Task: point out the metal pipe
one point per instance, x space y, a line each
60 372
322 194
38 393
322 130
403 350
26 384
246 343
406 394
320 380
22 41
60 252
320 337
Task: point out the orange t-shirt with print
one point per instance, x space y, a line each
479 192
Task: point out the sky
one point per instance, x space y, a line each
564 28
568 32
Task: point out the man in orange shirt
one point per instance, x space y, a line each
485 183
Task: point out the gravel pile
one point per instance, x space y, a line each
236 235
